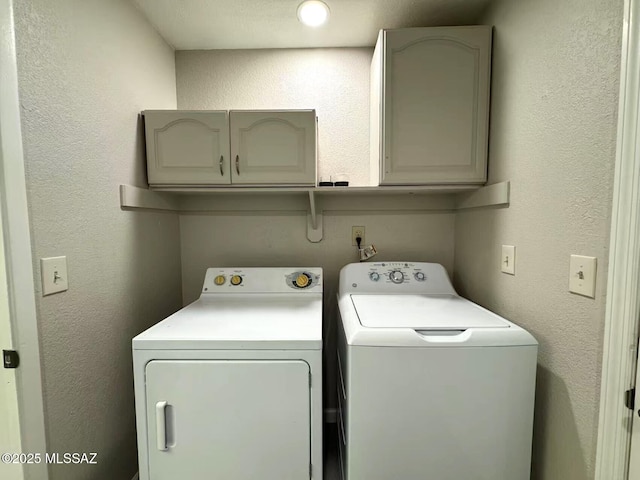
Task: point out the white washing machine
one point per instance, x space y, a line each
431 386
230 387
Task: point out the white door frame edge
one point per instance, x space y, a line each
623 295
22 303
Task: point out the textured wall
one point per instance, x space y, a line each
250 239
553 135
86 68
333 81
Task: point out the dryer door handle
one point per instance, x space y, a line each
161 425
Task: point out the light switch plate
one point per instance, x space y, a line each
54 275
508 259
582 275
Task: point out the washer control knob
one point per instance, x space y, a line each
236 280
396 276
420 276
374 276
302 281
219 280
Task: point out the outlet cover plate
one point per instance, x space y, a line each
354 233
54 275
582 275
508 259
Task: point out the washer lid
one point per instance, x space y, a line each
423 312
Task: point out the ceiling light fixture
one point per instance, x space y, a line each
313 13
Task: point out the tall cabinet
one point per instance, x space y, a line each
430 106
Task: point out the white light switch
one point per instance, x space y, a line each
582 275
508 259
54 275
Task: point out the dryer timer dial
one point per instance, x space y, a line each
302 281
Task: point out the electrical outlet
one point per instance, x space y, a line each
355 233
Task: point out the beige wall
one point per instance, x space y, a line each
86 69
553 135
249 239
334 81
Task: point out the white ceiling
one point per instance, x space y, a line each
229 24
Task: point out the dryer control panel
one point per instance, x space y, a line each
262 280
395 277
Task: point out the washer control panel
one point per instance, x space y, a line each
398 277
396 273
262 280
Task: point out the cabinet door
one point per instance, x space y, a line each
273 147
436 103
228 420
187 148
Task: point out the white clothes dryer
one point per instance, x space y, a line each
230 387
431 385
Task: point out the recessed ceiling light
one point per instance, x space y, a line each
313 13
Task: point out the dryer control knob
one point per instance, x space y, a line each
302 281
236 280
396 276
219 280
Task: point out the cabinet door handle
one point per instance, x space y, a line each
221 166
161 426
238 164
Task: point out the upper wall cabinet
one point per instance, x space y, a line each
273 147
430 106
214 148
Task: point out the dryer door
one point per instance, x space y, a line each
232 420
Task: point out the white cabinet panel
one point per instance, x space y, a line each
430 103
235 420
273 147
187 148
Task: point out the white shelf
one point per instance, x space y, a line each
393 190
314 200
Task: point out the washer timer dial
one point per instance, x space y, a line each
396 276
